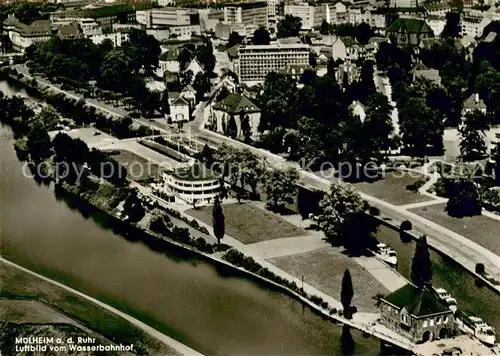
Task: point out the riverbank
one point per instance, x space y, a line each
23 284
314 303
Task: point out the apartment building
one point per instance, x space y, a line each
250 14
168 16
404 3
255 62
356 16
272 13
321 13
304 11
474 25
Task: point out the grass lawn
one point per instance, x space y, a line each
17 284
324 269
248 223
138 168
481 229
392 188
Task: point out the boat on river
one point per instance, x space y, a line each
476 327
447 298
386 254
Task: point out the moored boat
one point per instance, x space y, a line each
447 298
387 254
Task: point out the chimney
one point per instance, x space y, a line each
476 98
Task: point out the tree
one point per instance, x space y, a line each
133 208
346 293
261 37
231 128
280 187
289 26
343 221
421 126
48 117
464 198
245 125
473 143
204 53
186 78
218 221
378 125
185 57
234 39
324 28
452 27
421 266
202 85
279 96
363 33
164 104
496 167
38 142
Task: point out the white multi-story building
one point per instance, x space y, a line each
193 185
338 13
252 14
404 3
116 37
321 13
474 25
166 2
272 13
255 62
304 11
168 16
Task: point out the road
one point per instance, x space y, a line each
463 250
183 349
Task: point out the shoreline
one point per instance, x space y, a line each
167 340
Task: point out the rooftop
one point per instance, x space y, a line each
474 102
196 172
417 302
234 103
409 26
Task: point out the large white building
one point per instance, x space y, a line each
193 185
272 13
304 11
249 16
118 38
474 25
168 16
255 62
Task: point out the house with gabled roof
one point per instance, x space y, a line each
180 110
473 102
417 314
235 106
406 31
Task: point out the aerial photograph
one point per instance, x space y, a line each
250 178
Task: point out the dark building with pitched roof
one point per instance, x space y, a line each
416 314
409 31
234 106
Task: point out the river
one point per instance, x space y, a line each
185 298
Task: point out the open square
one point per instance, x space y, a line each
324 269
248 223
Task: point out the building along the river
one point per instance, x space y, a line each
192 185
416 314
